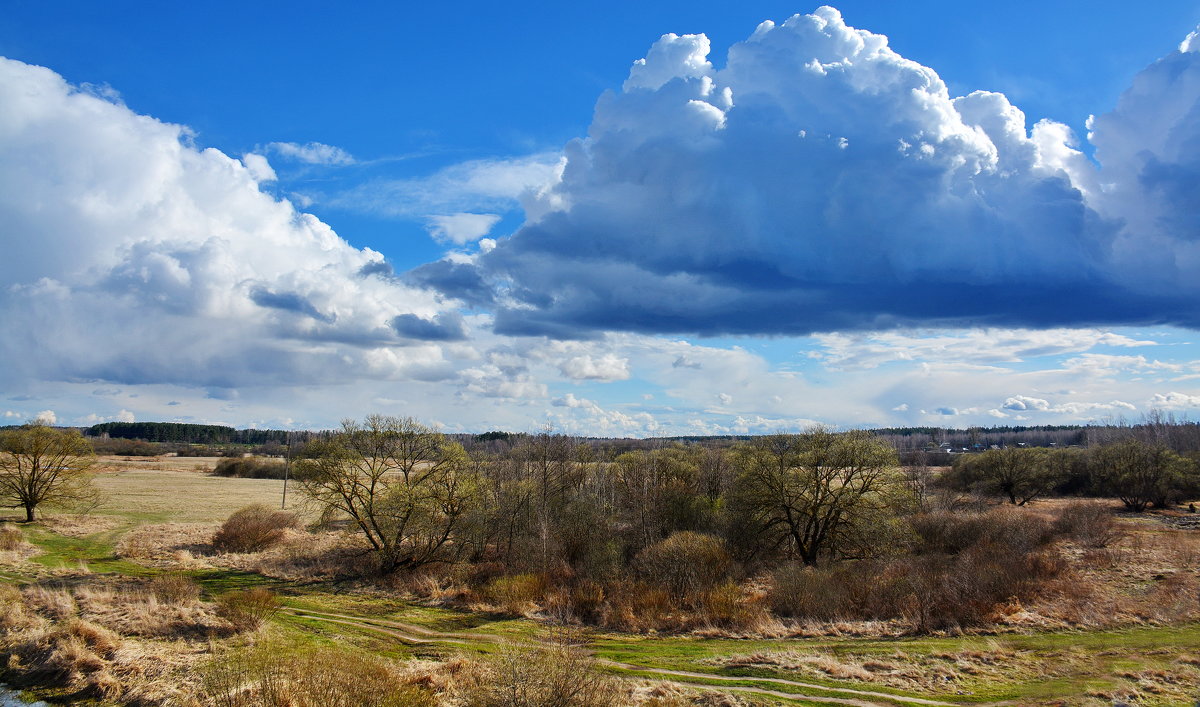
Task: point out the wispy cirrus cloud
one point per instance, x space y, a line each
313 153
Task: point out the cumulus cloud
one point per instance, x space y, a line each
1175 401
312 153
173 261
607 367
822 182
46 417
462 228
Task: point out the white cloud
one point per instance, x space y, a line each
134 257
46 417
462 228
872 349
260 170
822 182
312 153
495 185
607 367
95 418
1175 401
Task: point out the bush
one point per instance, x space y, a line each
10 537
1090 524
805 592
556 676
950 533
273 676
249 609
175 588
254 528
515 594
126 447
250 468
686 564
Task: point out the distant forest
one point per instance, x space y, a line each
1183 436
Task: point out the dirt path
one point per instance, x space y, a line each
409 633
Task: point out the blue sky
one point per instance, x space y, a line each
733 245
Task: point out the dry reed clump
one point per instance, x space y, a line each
159 544
11 537
270 675
175 588
303 557
516 595
85 641
13 547
559 675
248 610
254 528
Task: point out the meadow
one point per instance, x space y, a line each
132 604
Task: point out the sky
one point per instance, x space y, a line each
608 219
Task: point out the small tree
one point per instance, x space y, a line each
1015 473
1140 474
40 464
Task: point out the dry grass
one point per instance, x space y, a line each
78 525
13 547
161 544
117 463
108 639
993 662
187 496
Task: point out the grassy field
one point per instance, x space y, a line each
1158 663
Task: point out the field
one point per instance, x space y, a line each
158 517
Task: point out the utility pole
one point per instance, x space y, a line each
287 466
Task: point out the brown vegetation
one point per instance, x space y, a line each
254 528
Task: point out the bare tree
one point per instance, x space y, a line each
819 494
1017 473
404 485
41 464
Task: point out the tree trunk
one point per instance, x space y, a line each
30 513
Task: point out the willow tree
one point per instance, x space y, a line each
42 464
403 485
819 494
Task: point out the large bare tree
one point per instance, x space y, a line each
42 464
405 486
818 494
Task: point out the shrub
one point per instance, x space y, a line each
247 610
250 468
515 594
555 676
806 592
254 528
951 533
175 588
1090 524
273 676
686 564
10 537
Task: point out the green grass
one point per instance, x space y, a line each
95 552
